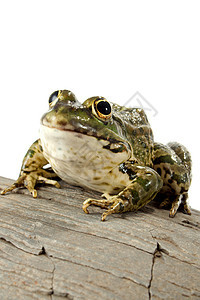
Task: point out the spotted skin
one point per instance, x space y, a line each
107 148
173 163
144 185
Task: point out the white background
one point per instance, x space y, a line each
107 48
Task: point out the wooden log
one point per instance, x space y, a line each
51 249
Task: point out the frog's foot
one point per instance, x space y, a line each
181 199
141 190
186 206
29 180
175 205
114 204
49 181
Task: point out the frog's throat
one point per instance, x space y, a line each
80 158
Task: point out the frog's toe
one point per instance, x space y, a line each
101 203
29 183
18 183
86 204
107 213
118 206
172 212
186 206
49 181
175 205
9 189
34 193
186 209
32 179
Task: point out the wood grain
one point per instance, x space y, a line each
51 249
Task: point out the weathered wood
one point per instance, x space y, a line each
50 249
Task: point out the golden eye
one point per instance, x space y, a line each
102 108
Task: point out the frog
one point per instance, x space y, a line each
108 148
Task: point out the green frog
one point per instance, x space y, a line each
107 148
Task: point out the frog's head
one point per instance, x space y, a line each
93 117
76 125
67 113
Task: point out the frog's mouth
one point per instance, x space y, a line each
113 141
79 130
84 124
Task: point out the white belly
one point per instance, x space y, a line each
81 160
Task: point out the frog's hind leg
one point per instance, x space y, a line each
141 190
184 155
173 163
182 152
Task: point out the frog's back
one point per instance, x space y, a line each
136 129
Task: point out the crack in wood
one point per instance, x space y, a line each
184 261
42 252
190 224
98 269
173 256
51 257
53 271
179 285
106 238
81 232
29 252
52 291
151 277
157 253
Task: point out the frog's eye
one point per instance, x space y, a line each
102 109
53 98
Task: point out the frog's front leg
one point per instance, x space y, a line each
144 184
32 171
